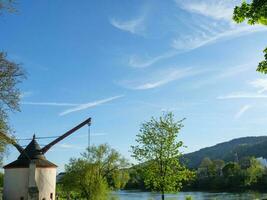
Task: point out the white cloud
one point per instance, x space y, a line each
224 73
261 84
49 103
92 135
26 94
191 42
69 146
236 70
216 25
160 79
242 111
242 95
203 39
134 26
219 9
75 106
134 61
89 105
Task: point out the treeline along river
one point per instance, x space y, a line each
137 195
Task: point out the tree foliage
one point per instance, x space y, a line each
229 151
247 173
255 13
7 5
253 172
83 181
100 169
159 149
110 164
11 74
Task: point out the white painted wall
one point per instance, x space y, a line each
16 182
46 182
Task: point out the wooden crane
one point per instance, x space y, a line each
32 170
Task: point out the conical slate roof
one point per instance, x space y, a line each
32 153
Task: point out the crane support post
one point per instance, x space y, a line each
12 141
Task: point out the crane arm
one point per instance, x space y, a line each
47 147
10 140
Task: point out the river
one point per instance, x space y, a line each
136 195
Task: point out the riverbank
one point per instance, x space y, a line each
138 195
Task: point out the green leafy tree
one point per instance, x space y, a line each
7 5
254 172
83 181
245 162
233 175
11 74
159 149
207 168
1 180
136 180
111 164
99 169
255 13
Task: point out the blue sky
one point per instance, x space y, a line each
121 62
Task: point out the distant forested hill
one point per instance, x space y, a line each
229 151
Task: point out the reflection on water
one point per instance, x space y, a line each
135 195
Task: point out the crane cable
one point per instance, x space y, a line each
89 136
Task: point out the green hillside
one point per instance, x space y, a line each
230 151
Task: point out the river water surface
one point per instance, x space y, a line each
135 195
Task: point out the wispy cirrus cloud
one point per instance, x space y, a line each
159 79
74 106
217 25
243 95
89 105
135 61
203 38
26 94
134 26
199 39
69 146
92 135
49 103
261 84
219 9
242 111
225 73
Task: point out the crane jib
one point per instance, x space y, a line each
47 147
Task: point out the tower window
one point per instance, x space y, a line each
51 196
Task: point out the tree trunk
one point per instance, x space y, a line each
162 195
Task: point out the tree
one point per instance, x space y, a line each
255 13
99 169
136 178
7 5
233 175
159 149
1 179
83 181
254 172
11 74
206 167
110 164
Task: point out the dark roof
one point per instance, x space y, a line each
32 153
